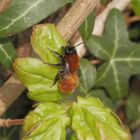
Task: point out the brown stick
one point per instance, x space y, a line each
67 27
96 61
100 20
75 16
9 92
130 20
10 122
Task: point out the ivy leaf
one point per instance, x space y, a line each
92 121
37 76
87 77
24 13
98 93
47 122
87 27
7 53
136 5
121 56
132 110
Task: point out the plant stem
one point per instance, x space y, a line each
75 17
100 20
132 19
10 122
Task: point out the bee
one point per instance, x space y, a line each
67 77
68 83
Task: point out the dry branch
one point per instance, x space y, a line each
75 16
9 92
132 19
100 20
67 27
10 122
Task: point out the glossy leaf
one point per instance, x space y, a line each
87 27
47 122
136 6
87 76
92 121
121 57
22 14
37 76
7 53
132 108
98 93
45 38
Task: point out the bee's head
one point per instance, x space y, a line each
69 50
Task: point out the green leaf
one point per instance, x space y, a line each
136 6
47 122
104 2
132 109
98 93
73 137
45 38
92 121
7 53
121 57
87 27
24 13
38 78
87 77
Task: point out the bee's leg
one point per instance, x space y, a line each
58 54
55 65
61 63
57 77
79 72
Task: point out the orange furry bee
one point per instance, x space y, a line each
68 76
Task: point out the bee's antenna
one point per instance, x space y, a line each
69 43
79 44
76 45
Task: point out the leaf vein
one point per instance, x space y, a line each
116 79
5 53
103 74
103 50
22 15
116 37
